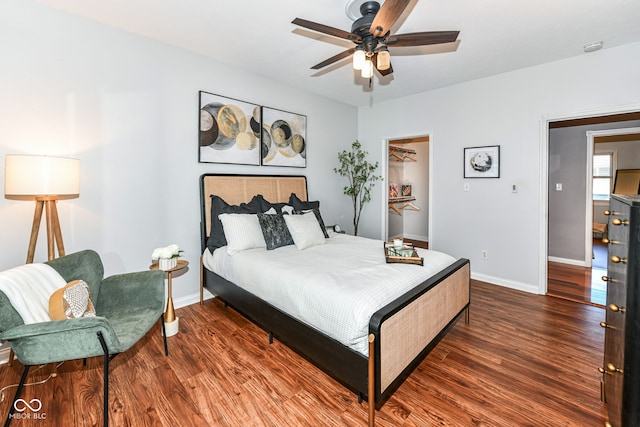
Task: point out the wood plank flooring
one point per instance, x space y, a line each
580 284
524 360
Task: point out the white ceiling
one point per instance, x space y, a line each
495 36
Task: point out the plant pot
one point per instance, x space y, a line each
167 263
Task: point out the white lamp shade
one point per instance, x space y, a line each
384 60
367 69
358 59
41 176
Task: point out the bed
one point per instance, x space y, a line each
397 335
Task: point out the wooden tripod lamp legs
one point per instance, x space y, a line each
54 234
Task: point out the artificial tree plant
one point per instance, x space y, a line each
360 174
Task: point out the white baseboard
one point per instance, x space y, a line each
191 299
579 263
519 286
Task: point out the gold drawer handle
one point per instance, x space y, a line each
612 368
605 278
616 259
610 242
616 308
618 221
608 212
605 325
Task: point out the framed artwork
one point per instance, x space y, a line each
482 162
229 130
627 181
284 138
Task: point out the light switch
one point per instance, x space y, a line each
559 186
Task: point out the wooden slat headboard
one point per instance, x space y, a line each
236 189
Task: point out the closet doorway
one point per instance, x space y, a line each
407 178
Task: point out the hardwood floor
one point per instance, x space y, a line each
580 284
524 360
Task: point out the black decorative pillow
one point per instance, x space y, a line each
274 230
218 206
299 205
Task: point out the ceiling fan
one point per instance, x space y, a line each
371 34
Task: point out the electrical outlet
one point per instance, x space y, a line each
485 255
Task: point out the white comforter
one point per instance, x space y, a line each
335 287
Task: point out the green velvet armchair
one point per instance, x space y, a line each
126 305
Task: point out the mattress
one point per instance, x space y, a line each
334 288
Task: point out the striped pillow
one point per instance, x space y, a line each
242 232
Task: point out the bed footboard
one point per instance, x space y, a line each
405 331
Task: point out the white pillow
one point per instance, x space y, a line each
305 230
242 232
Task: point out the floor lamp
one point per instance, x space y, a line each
45 179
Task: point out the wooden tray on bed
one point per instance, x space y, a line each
406 255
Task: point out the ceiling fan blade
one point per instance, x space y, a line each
334 58
382 72
325 29
422 39
388 14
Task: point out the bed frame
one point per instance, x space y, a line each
399 337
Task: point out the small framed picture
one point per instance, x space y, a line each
482 162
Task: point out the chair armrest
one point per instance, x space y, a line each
58 340
121 292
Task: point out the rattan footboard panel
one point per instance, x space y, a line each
405 335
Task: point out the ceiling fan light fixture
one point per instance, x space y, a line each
358 59
367 69
384 59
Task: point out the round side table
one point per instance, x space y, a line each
170 319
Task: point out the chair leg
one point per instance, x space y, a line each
164 335
18 391
105 404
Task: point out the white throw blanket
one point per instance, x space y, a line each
29 288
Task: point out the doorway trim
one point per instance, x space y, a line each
543 226
384 191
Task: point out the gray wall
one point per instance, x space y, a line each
416 223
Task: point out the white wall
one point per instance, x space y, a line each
127 107
504 110
416 223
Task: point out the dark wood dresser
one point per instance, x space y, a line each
621 370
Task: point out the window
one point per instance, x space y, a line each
602 175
